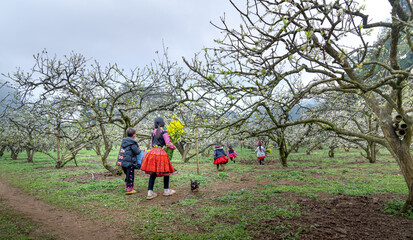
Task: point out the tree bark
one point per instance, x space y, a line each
2 149
283 152
14 153
97 149
30 153
331 152
183 150
58 152
108 148
409 201
185 153
405 162
400 150
371 152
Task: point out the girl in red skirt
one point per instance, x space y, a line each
156 161
260 153
220 157
232 154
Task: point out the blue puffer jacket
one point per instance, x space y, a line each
128 152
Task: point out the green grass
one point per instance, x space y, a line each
16 226
394 207
228 206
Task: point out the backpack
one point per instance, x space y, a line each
120 158
140 157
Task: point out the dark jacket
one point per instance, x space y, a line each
219 153
128 152
160 141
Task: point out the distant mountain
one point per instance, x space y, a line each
297 111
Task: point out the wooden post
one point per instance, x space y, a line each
197 149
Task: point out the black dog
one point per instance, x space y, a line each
194 185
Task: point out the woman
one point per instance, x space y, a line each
156 161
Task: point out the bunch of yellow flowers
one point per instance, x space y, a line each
175 129
269 150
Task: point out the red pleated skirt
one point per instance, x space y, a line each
221 160
232 155
261 157
157 161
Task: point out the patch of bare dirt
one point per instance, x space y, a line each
65 224
342 217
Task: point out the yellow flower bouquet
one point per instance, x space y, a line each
175 130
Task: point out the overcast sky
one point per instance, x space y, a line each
126 32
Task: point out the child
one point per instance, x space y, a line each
220 158
127 158
156 161
260 153
232 154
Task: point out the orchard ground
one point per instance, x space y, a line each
316 197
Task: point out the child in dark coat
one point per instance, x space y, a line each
232 154
127 158
220 157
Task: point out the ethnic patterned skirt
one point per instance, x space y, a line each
232 155
157 161
221 160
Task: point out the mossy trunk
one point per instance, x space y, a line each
283 152
2 149
30 153
14 153
108 148
371 152
400 149
183 150
331 152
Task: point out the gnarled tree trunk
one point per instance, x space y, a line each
405 161
371 152
104 156
14 152
400 149
283 152
331 151
2 149
183 149
30 153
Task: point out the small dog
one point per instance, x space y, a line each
194 185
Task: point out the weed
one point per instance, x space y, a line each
188 202
223 175
394 206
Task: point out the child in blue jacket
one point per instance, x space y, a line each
127 158
220 157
